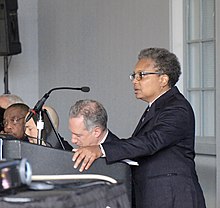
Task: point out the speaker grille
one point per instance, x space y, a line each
9 33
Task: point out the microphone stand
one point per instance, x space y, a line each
38 110
6 74
40 127
40 103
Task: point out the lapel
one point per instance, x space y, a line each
159 103
147 115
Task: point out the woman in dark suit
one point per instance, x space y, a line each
163 141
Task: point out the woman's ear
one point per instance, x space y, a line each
164 80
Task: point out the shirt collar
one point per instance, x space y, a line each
104 138
150 103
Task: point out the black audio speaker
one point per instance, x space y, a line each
9 33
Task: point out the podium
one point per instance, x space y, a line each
49 161
98 196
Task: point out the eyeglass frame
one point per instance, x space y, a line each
141 74
14 121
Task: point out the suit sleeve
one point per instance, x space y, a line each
171 126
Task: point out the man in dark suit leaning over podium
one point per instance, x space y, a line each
163 141
88 123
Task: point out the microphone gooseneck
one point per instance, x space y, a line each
41 102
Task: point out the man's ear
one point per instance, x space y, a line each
97 131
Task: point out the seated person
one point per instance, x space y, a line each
15 125
31 130
14 120
8 99
50 133
53 115
5 101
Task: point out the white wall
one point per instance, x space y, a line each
96 43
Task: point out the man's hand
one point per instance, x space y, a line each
86 156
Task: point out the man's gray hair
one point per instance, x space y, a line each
93 112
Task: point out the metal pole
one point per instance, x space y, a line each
6 74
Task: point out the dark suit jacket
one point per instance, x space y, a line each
163 145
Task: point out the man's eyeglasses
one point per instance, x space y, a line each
12 121
139 75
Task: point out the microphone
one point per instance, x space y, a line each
41 102
85 89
